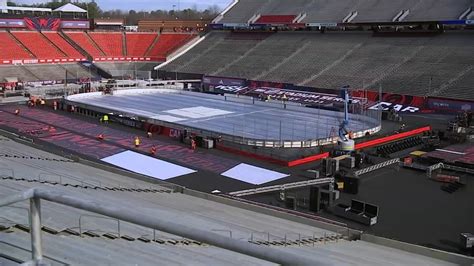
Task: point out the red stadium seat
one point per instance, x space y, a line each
10 49
83 40
138 43
276 19
168 43
60 42
111 43
41 47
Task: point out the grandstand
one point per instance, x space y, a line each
67 230
290 55
418 65
62 44
138 44
32 48
113 46
317 11
49 72
11 49
110 43
168 43
38 45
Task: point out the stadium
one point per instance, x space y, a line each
302 132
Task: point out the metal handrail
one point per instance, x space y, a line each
9 169
50 175
223 230
140 217
99 217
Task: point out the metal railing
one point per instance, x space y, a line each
253 191
81 219
372 168
140 217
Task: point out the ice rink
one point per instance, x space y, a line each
240 117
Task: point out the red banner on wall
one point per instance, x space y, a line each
401 103
42 23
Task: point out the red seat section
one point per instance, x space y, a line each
10 49
38 45
276 19
111 43
138 43
60 42
168 43
83 40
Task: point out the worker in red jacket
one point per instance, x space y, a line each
153 150
101 136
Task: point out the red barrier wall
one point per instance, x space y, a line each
398 136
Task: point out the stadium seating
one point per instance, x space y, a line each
242 11
18 72
168 43
214 52
84 41
263 56
411 65
11 49
336 11
38 45
111 43
126 70
276 19
60 42
44 72
139 43
107 46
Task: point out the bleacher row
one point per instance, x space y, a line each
99 46
440 65
318 11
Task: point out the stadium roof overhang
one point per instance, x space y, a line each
27 9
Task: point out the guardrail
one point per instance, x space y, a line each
376 167
138 217
253 191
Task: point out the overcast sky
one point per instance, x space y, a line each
149 4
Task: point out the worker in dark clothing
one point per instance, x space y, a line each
469 119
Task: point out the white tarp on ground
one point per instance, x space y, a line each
253 174
147 165
198 112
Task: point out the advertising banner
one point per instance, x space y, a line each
303 97
42 23
216 81
448 105
12 23
75 24
401 103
